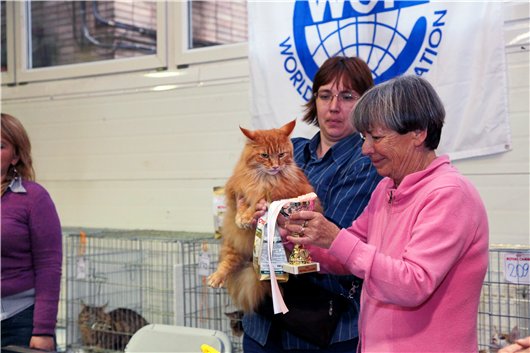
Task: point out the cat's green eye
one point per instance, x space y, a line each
264 155
281 154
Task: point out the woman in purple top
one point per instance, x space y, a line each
31 246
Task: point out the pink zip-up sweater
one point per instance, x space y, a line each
422 250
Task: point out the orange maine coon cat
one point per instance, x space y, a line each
265 170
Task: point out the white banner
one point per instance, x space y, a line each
457 46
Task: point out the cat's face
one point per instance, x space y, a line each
500 339
269 151
89 315
271 159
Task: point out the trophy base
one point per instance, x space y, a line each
302 268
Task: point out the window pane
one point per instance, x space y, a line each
70 32
3 60
218 22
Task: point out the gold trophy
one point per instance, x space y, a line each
300 260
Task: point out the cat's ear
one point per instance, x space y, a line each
83 305
248 133
288 128
515 334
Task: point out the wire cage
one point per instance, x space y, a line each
160 277
202 306
116 282
504 311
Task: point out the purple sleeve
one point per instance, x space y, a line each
46 239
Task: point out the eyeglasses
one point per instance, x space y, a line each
344 97
373 138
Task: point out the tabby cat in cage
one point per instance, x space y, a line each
236 323
111 330
500 339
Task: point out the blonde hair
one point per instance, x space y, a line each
13 132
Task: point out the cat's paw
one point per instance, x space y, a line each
244 223
215 280
246 226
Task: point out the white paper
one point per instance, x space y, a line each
516 267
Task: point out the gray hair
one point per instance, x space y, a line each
402 104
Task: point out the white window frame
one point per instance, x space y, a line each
185 56
172 50
23 74
8 77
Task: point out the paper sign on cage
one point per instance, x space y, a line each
517 267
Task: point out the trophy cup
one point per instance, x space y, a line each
299 260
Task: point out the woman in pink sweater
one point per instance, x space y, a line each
421 244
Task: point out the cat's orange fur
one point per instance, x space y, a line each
265 170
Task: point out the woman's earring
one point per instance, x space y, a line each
15 173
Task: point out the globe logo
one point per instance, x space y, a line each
388 35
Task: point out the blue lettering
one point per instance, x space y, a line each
433 42
307 93
286 47
420 70
318 8
442 14
424 57
292 60
297 77
369 6
327 10
435 37
299 88
290 65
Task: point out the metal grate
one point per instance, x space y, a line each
505 299
162 276
205 307
154 274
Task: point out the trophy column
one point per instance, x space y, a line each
300 259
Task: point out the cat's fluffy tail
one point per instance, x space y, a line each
246 290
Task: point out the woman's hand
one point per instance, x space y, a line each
46 343
281 222
308 227
520 346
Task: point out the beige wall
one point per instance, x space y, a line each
137 160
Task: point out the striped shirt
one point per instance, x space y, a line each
343 179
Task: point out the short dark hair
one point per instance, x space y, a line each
352 72
402 104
